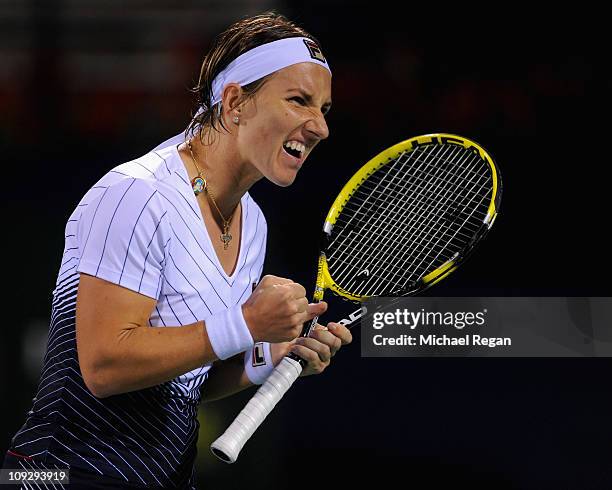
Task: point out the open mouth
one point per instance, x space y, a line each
294 148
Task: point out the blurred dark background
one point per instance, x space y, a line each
88 84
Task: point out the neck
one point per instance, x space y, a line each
228 177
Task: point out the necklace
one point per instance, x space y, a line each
199 184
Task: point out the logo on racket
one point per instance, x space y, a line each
353 317
362 275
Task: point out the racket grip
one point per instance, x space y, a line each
228 446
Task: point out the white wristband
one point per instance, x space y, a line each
258 363
228 332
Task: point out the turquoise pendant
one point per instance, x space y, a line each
198 184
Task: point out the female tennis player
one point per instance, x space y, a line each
155 307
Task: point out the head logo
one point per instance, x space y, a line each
315 51
353 317
362 275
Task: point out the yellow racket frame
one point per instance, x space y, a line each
324 279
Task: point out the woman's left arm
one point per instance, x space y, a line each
317 349
229 376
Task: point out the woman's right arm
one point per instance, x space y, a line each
119 352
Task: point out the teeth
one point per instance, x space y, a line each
295 145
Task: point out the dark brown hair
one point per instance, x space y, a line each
237 39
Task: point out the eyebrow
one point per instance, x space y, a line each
308 98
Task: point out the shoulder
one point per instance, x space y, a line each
123 192
121 198
136 181
152 168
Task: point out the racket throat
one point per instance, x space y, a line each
308 327
317 297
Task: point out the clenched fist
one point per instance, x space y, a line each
277 310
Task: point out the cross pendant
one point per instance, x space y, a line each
226 238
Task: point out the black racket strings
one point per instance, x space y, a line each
409 217
388 207
418 226
424 198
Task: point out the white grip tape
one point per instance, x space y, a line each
228 446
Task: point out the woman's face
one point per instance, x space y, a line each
282 123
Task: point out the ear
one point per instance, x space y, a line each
231 100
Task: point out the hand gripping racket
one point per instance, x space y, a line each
403 222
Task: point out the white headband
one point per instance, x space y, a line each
266 59
257 63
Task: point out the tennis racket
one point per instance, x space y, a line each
406 220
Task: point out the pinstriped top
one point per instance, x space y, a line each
140 227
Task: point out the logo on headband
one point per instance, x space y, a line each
259 356
315 51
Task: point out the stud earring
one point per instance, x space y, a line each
236 119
